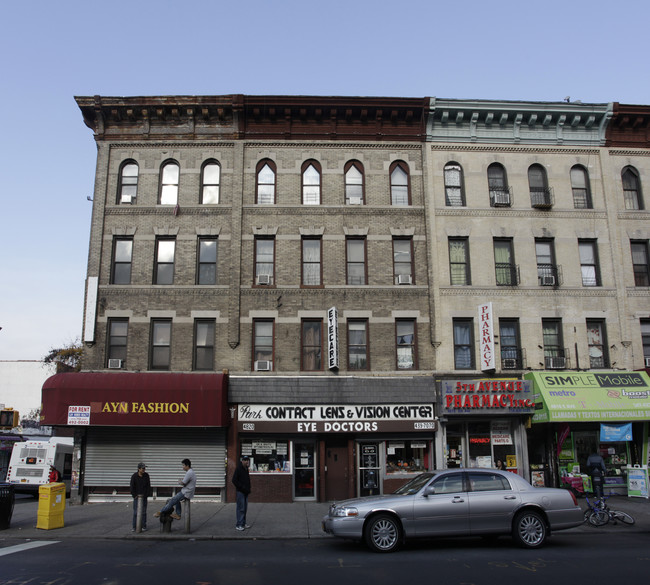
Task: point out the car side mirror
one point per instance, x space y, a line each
429 491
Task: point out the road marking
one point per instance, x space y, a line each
21 547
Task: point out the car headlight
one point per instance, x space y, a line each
344 512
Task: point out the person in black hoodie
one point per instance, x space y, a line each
140 486
242 482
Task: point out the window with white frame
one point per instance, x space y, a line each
311 183
265 182
354 192
127 190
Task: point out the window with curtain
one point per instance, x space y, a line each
640 263
454 192
580 188
589 263
358 357
265 184
463 344
311 261
204 335
459 261
169 177
597 342
632 188
506 274
403 261
311 183
552 335
127 189
356 261
354 183
399 183
312 344
210 181
406 344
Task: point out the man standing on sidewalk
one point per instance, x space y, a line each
140 486
242 481
187 492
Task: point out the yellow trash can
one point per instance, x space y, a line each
51 504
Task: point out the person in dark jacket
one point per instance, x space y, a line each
140 486
242 482
597 469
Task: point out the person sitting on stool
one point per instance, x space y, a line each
187 492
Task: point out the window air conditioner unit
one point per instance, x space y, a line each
509 364
548 280
263 279
501 199
114 364
126 199
404 279
263 366
556 363
647 362
354 201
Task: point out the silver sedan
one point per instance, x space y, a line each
456 502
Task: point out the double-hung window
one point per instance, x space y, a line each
161 344
265 182
356 261
645 340
498 185
122 260
127 190
169 178
632 188
164 266
597 342
459 261
353 183
204 335
406 344
454 191
506 270
312 345
463 344
207 261
311 261
264 261
399 183
210 182
263 344
555 357
588 250
358 355
311 183
640 263
547 272
118 331
580 188
403 261
509 342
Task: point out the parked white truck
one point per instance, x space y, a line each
32 461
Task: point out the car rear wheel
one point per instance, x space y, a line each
529 529
383 533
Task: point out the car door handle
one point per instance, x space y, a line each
457 500
509 497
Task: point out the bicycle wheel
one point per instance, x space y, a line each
598 518
623 517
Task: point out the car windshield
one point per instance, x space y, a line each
415 485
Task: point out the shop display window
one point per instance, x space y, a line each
267 456
407 456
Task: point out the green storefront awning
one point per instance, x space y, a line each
590 397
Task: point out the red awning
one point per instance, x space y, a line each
136 399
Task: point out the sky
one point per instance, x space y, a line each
596 52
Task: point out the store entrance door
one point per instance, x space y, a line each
304 473
336 469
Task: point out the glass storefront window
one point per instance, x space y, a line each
481 444
407 456
267 455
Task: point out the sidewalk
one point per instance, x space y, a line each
216 521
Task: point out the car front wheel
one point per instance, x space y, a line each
529 529
383 533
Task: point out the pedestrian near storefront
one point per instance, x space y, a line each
242 481
186 493
140 488
597 470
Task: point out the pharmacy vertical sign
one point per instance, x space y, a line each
486 337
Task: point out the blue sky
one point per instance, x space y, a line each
49 52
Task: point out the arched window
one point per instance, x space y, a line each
400 191
127 189
580 187
454 191
265 192
169 176
354 192
210 182
632 188
311 183
540 194
498 186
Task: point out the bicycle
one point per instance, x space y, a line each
598 513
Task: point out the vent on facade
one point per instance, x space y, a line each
354 201
404 279
556 363
126 199
547 280
114 364
263 366
264 279
501 199
510 364
647 362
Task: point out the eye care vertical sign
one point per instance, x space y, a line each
333 338
486 337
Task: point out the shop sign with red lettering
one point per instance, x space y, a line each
493 396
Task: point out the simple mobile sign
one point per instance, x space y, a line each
79 415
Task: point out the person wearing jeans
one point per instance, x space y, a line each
242 482
187 492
